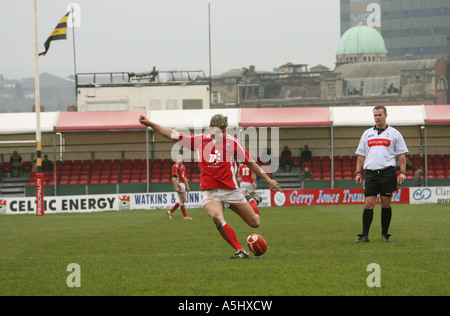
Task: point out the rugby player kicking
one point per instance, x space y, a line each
218 156
181 186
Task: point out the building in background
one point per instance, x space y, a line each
361 44
417 28
155 90
57 93
362 76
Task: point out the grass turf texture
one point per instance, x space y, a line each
311 251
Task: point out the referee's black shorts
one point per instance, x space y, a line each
382 182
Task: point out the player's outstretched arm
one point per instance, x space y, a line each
166 132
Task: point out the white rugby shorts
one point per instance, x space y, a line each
182 187
249 187
226 196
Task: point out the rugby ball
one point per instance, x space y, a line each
256 244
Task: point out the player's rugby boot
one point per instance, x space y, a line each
257 198
240 255
362 238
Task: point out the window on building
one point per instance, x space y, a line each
250 92
331 90
216 97
442 84
393 86
353 87
373 87
192 104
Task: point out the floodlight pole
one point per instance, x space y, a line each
147 162
332 154
39 176
209 44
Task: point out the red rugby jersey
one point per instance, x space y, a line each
246 174
179 172
218 160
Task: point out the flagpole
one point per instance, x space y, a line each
74 58
39 176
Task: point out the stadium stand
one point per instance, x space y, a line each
135 170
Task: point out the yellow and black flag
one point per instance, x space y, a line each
59 33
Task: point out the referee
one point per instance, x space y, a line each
377 152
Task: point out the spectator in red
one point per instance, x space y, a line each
286 159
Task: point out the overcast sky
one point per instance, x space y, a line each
135 35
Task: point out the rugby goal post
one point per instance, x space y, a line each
37 94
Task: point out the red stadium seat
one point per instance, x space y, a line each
64 180
84 179
73 179
75 171
97 164
117 163
26 166
66 168
127 165
347 175
115 171
105 172
87 163
307 164
326 173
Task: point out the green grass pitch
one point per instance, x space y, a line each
311 251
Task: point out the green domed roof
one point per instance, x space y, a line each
361 39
